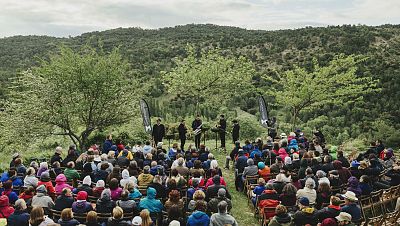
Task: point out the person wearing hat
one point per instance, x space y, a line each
14 156
350 205
305 214
81 205
137 221
344 219
46 181
158 132
235 130
41 199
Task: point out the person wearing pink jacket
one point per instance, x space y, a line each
61 183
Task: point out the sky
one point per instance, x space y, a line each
63 18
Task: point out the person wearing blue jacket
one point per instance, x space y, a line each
150 202
255 151
107 144
199 216
20 217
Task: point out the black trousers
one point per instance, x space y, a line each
197 140
235 139
222 137
183 141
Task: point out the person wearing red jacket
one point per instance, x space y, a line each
5 209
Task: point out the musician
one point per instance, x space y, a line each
182 130
272 128
158 132
196 125
235 130
222 130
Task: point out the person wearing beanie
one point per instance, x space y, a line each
85 186
306 214
329 222
20 217
213 203
137 221
99 188
41 199
64 200
354 186
81 205
61 183
264 171
46 181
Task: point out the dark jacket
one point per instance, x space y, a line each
63 202
394 177
354 210
345 162
328 212
72 222
235 132
212 192
18 218
105 204
120 222
81 207
241 163
182 130
161 191
85 187
305 216
268 194
56 158
158 132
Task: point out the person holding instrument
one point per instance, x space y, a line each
158 132
182 130
222 130
196 126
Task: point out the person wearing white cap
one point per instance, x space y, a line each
137 221
350 205
344 219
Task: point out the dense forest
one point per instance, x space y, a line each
150 53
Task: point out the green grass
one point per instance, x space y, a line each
240 207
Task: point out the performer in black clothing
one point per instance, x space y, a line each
235 130
222 130
182 129
158 132
196 126
272 128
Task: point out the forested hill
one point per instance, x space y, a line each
152 51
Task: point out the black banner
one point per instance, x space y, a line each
144 109
263 112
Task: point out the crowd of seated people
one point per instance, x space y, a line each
293 181
117 185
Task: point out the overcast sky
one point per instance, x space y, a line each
73 17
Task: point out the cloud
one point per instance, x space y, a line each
73 17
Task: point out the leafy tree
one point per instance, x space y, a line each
336 83
72 94
210 80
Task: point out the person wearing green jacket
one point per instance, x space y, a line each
70 173
282 218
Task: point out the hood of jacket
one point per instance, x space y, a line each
125 174
337 165
61 179
4 201
200 216
283 218
151 193
353 182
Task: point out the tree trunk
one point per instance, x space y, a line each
294 118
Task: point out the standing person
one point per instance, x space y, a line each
196 126
222 130
158 132
182 129
272 128
235 130
107 144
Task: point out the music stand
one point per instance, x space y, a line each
216 131
204 138
169 137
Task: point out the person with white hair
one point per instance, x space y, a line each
126 178
44 167
181 168
321 176
30 178
308 191
20 216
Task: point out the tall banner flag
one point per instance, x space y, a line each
263 111
144 109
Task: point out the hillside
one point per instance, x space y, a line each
151 51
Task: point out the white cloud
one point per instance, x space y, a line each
73 17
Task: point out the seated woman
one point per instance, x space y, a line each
91 219
174 214
288 195
64 200
61 183
105 204
27 195
258 190
67 218
81 205
37 217
30 178
117 218
174 199
115 189
323 195
213 173
150 203
197 176
134 193
281 217
98 189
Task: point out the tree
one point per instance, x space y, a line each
72 94
336 83
211 79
